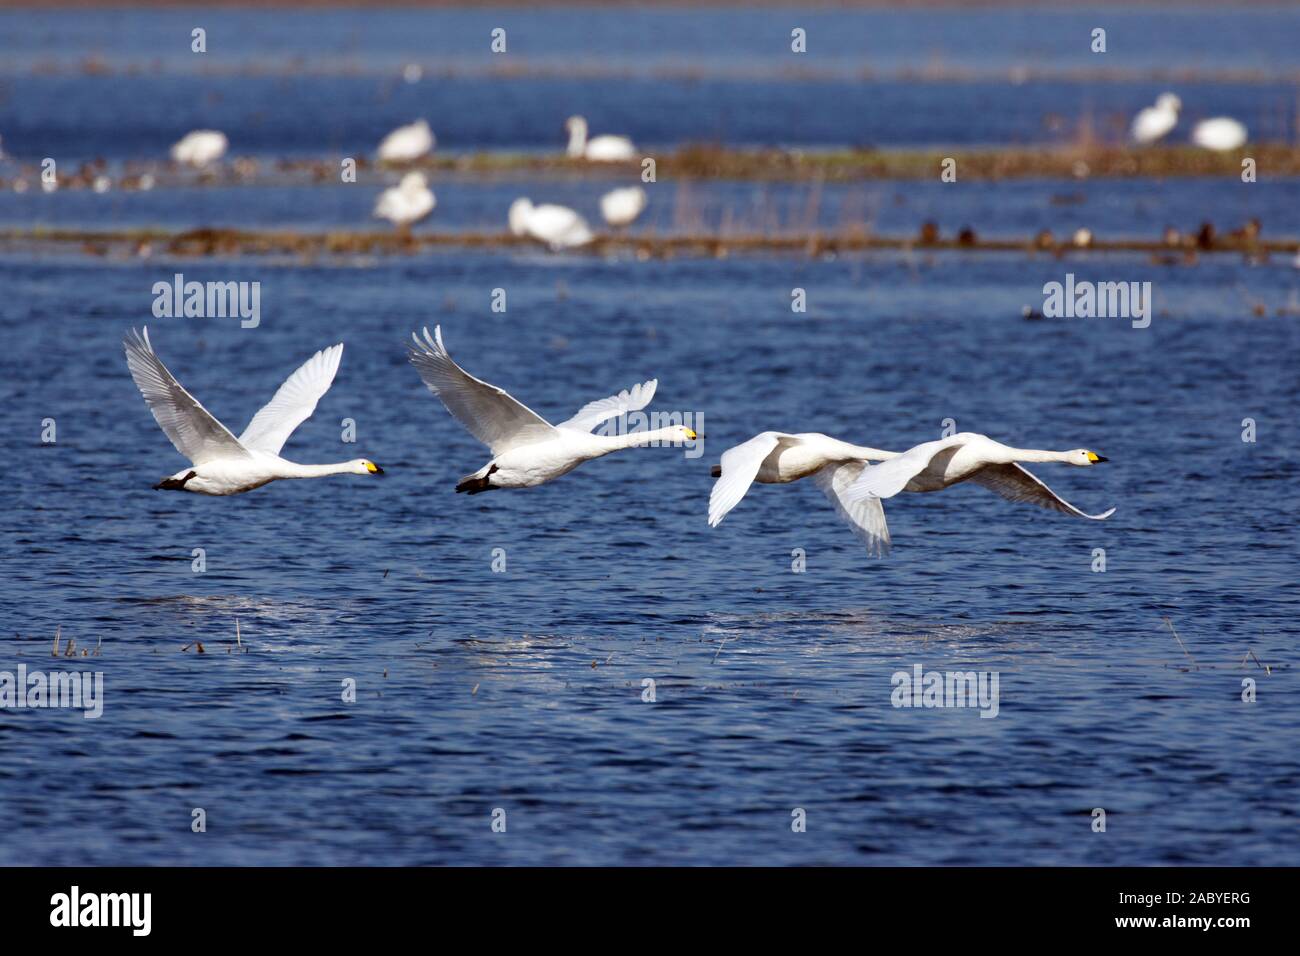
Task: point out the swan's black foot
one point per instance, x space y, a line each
174 484
475 485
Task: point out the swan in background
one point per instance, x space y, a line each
935 465
221 463
407 143
621 207
1154 123
778 458
1220 133
557 226
406 203
601 149
200 147
526 449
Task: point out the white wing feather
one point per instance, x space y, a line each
628 400
1016 483
890 477
488 413
739 466
867 516
293 403
192 429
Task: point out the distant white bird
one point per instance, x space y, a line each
935 465
557 226
1220 133
407 143
406 203
1154 123
601 149
620 207
778 458
222 463
200 147
526 449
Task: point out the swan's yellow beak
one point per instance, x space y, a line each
691 434
1093 456
373 468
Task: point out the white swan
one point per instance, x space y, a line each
407 143
526 449
408 202
778 458
1154 123
935 465
620 207
200 147
600 149
557 226
222 463
1221 133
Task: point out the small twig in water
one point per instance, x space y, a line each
55 652
1182 645
1250 652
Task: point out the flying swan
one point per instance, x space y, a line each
222 463
526 449
778 458
935 465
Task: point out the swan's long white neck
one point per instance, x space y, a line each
666 436
291 469
577 136
1037 454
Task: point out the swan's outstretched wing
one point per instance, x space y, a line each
890 477
293 403
487 412
739 466
1015 483
628 400
192 429
867 516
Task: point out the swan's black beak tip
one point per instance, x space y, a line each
1100 459
373 468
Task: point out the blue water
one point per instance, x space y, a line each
126 85
522 689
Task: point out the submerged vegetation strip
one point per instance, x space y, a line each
1077 161
141 243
